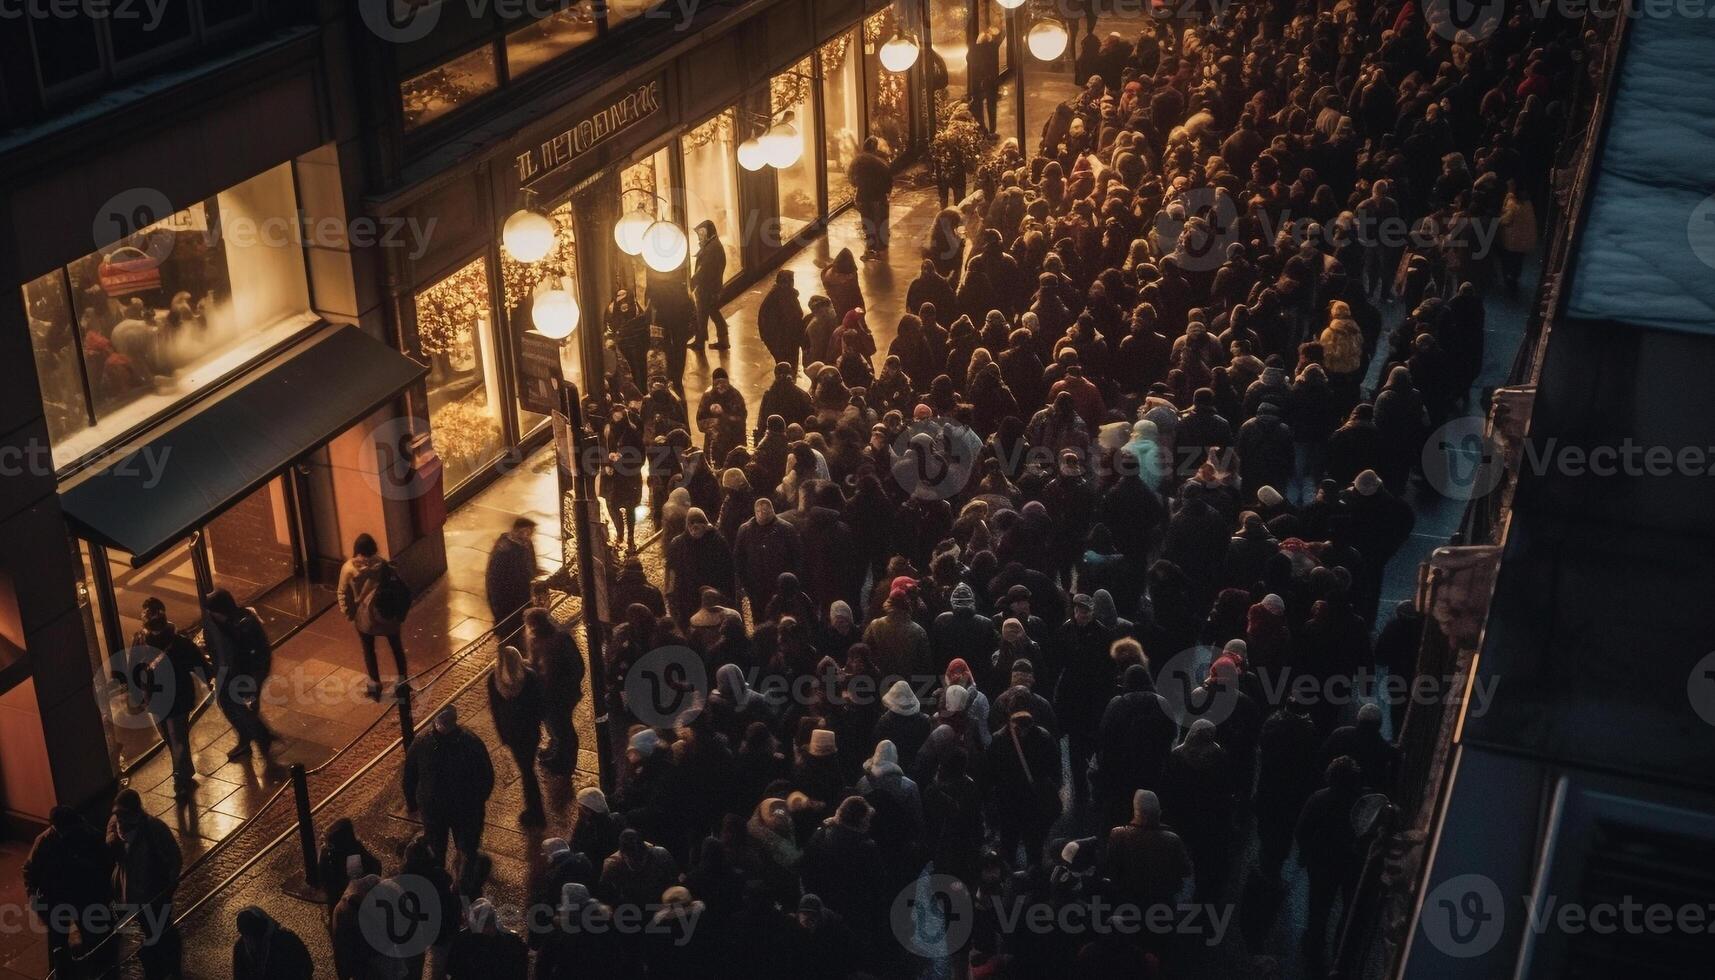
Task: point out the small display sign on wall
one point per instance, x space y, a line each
538 373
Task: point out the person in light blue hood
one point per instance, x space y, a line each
1152 459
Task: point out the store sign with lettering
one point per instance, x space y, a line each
561 149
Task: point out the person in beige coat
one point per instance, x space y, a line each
1518 233
359 579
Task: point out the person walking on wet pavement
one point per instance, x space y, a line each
68 878
146 865
511 568
374 597
872 182
168 672
516 700
267 950
242 656
447 781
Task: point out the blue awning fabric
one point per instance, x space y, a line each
167 487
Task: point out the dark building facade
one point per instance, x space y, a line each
262 303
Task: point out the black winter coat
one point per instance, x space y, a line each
518 719
694 563
511 569
283 957
780 322
449 775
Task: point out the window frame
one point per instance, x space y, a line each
110 69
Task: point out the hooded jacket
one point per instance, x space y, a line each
780 321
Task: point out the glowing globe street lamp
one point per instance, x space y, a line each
782 146
899 53
628 231
528 235
1047 40
665 246
555 311
752 155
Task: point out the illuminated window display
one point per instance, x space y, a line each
455 334
711 184
440 90
842 100
888 93
791 92
125 334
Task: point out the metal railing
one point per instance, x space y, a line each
108 957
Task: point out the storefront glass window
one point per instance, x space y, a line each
644 185
995 18
711 184
842 100
889 93
455 334
529 48
446 87
949 22
167 311
791 92
522 280
58 368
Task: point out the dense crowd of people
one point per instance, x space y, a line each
1047 599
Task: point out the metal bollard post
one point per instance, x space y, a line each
306 824
407 724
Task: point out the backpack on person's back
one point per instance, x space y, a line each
386 605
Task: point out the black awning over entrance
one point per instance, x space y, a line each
164 489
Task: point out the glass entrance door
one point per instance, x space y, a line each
255 552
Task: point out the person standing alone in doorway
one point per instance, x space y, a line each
707 278
375 599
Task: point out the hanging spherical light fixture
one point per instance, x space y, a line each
1047 40
555 311
665 246
781 145
752 155
899 53
528 235
628 230
1010 4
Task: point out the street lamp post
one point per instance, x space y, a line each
583 527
